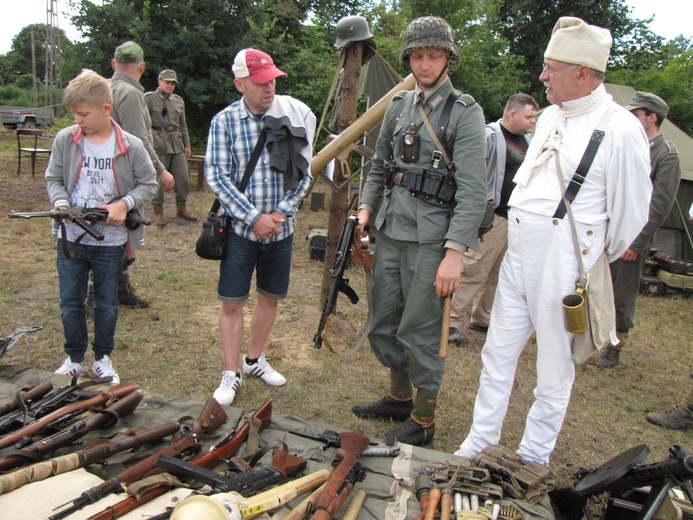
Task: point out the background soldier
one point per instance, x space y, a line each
171 142
130 112
665 174
427 213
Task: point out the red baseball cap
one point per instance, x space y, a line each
256 65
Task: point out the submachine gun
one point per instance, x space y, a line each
85 218
339 282
623 478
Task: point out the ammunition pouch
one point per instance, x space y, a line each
519 478
430 184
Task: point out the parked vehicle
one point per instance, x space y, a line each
26 117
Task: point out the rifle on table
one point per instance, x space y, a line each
211 417
339 282
67 412
342 479
25 399
246 483
41 406
85 457
225 448
85 219
105 418
332 439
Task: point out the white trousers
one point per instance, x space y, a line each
540 267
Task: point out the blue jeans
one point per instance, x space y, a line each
106 262
272 262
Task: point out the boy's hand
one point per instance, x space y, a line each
167 180
117 211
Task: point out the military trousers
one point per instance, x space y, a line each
625 277
177 164
480 269
407 313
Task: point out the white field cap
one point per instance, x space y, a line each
574 41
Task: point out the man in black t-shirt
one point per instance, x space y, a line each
506 144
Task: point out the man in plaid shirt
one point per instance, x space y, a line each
263 215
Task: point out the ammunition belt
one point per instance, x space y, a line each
429 184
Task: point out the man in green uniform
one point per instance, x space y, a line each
665 174
427 204
171 142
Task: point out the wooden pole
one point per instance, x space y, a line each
339 201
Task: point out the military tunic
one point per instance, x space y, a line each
665 175
413 232
170 132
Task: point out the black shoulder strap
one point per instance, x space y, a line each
248 169
579 176
445 114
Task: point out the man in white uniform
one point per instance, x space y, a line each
541 264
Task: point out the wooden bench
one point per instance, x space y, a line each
196 163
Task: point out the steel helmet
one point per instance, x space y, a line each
352 29
429 31
198 506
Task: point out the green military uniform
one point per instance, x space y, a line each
413 232
665 175
171 139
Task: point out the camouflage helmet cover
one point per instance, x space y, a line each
429 31
352 29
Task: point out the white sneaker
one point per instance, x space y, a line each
104 368
70 368
264 371
230 384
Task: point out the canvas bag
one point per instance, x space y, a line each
211 244
596 285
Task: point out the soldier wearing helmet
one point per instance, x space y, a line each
424 197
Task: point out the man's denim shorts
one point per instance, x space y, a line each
272 263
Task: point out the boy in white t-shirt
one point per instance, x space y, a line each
95 164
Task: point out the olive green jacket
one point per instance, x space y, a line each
403 216
168 122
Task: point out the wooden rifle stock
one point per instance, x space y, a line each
211 417
20 399
30 430
205 459
58 465
338 488
102 418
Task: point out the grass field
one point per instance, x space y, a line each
172 347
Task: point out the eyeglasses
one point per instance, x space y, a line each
552 70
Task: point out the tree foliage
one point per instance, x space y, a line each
501 45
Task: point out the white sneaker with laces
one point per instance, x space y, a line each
264 371
70 368
104 368
230 384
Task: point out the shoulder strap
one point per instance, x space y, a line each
248 169
583 168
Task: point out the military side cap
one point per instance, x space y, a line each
168 75
129 52
649 102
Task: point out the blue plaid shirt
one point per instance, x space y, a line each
232 137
